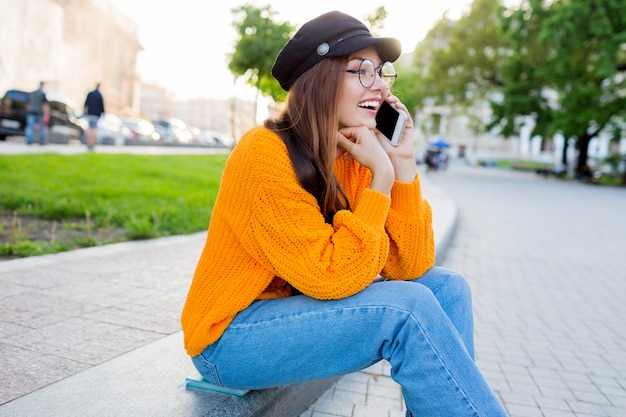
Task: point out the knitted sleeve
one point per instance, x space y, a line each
409 226
288 234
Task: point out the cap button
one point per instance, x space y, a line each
322 49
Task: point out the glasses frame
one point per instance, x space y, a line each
387 77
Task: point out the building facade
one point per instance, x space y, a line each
70 45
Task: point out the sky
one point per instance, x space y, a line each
186 41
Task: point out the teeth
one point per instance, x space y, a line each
373 104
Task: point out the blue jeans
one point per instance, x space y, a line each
35 122
424 328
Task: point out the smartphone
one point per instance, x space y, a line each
390 122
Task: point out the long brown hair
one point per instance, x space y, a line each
308 125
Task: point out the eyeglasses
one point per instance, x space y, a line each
367 73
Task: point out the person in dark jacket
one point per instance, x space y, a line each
94 107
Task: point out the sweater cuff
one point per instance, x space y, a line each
406 193
373 208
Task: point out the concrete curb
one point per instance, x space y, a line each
445 218
149 382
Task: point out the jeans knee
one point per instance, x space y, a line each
407 295
447 284
459 284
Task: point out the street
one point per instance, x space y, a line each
16 146
546 262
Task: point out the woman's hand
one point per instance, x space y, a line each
402 156
361 144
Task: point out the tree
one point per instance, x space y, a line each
260 40
566 70
376 20
522 96
412 85
459 62
461 59
560 64
586 65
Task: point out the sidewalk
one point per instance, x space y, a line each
76 326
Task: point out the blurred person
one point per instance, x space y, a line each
319 258
38 116
94 107
432 161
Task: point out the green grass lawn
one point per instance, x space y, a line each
92 194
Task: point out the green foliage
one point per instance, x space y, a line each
260 40
460 60
585 40
147 196
522 91
522 165
557 64
579 82
613 161
24 248
376 20
458 63
146 226
405 86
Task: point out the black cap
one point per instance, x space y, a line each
329 35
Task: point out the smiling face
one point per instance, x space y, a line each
358 105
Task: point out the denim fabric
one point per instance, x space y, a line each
424 328
93 121
35 122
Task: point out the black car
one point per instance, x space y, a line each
64 123
13 109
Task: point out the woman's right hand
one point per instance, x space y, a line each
362 144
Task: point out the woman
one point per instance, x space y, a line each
319 259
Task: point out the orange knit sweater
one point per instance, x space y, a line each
266 231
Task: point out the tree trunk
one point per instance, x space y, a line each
583 151
564 155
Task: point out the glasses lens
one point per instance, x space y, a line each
388 74
367 73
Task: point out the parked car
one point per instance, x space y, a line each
196 135
208 139
13 108
140 132
223 140
64 125
110 130
173 131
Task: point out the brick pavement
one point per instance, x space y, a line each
66 313
546 262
